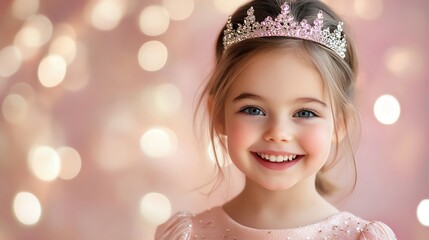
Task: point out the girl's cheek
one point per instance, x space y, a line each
237 127
316 138
239 131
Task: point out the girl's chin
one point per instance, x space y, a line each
275 185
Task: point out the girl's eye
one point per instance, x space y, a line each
254 111
305 114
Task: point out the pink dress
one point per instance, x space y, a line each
216 224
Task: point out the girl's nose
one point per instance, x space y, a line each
279 131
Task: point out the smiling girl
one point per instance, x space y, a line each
280 103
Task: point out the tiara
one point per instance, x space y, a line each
285 26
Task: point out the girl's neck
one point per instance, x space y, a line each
300 205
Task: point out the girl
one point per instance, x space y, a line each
279 102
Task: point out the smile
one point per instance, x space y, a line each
277 158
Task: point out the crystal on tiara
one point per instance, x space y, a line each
285 26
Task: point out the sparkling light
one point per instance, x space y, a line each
158 142
14 108
152 56
387 109
228 6
155 208
26 208
168 98
368 9
70 163
154 20
52 70
23 9
10 61
423 212
65 47
179 10
44 162
107 14
36 32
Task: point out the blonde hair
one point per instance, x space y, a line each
338 74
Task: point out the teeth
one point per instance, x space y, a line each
274 158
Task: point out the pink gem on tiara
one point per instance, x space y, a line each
285 26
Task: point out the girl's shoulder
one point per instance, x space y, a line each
366 230
179 226
216 224
377 230
183 225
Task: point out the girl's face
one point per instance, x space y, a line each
278 120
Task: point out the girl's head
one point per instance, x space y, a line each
311 72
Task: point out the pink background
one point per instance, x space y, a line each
105 120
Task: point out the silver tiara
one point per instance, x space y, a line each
285 26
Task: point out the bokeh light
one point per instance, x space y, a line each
65 29
155 208
114 85
14 108
228 6
404 62
106 14
65 47
44 162
23 9
70 163
178 10
10 61
368 9
423 212
24 90
52 70
387 109
152 56
154 20
168 99
36 32
158 142
27 208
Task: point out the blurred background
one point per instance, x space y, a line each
97 97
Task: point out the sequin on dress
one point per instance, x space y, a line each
216 224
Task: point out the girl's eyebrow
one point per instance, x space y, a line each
248 96
311 100
260 98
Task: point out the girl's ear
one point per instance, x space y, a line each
217 117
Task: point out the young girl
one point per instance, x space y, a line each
279 102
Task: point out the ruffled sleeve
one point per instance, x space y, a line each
178 227
377 231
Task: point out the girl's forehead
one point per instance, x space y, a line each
280 74
275 56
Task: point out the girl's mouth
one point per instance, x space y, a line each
278 158
277 162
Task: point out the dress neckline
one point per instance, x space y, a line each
312 225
